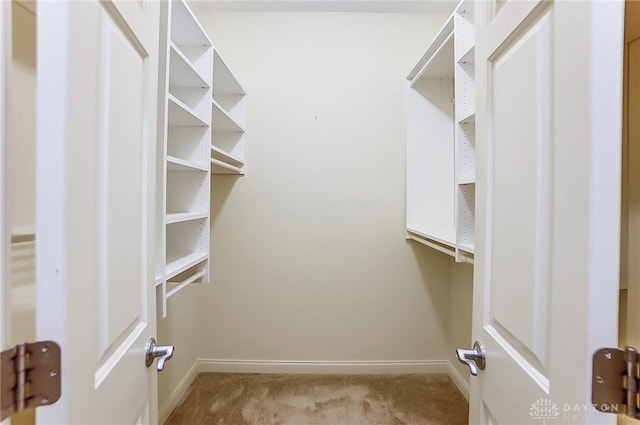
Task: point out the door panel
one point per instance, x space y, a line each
121 183
97 105
519 81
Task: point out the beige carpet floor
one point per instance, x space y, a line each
258 399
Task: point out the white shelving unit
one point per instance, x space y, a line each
184 137
441 140
229 119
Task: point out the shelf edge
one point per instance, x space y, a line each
468 119
180 104
183 217
226 114
174 47
424 70
197 260
438 41
232 160
468 56
464 182
181 162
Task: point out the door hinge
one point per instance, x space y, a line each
615 383
30 376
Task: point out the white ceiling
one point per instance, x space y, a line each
383 6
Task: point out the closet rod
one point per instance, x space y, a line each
466 259
219 163
435 246
440 248
184 283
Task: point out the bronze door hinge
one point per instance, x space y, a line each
615 384
30 376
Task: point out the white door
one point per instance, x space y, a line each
547 259
96 128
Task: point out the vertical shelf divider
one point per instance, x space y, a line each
465 128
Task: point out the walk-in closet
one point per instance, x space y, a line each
318 212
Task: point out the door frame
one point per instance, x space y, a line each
630 244
5 55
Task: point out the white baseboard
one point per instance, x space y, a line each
328 367
176 396
458 380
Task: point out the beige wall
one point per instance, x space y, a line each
180 329
459 313
21 176
309 260
21 116
21 99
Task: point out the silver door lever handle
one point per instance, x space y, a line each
475 358
153 350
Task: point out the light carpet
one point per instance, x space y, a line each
262 399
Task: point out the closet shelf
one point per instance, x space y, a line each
468 56
185 84
182 72
171 218
220 167
185 28
21 238
440 66
222 121
467 180
180 115
178 265
437 61
440 140
228 106
177 164
174 287
224 82
467 248
466 8
224 156
469 118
